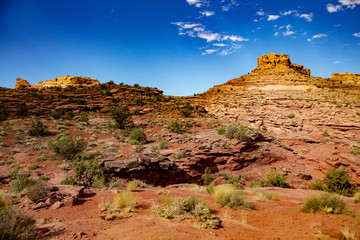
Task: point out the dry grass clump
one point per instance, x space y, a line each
357 197
124 200
227 195
16 226
188 207
329 203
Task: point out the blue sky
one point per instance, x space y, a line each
180 46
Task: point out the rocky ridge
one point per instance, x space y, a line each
59 82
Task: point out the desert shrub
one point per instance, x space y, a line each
208 177
22 111
234 131
16 226
227 195
339 181
181 153
67 147
2 202
68 181
179 126
58 114
325 134
122 116
318 185
37 191
274 179
291 115
4 115
84 117
124 200
186 110
327 202
90 174
138 135
69 115
357 197
237 182
164 144
21 182
187 207
38 128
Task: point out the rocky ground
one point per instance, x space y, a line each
291 125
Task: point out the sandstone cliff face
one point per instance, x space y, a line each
67 81
20 83
279 61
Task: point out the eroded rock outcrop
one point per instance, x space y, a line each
279 61
67 81
21 83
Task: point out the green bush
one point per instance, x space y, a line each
90 174
234 131
163 144
84 117
138 134
122 116
274 179
67 147
208 177
69 115
16 226
38 128
237 182
179 126
339 181
37 191
291 115
186 110
188 207
327 202
21 182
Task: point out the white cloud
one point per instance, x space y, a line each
288 32
273 17
308 17
336 62
350 3
198 3
321 35
356 34
207 13
235 38
209 36
276 34
289 12
260 13
344 4
220 44
333 8
209 51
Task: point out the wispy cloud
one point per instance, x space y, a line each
209 36
308 17
209 51
198 3
285 13
260 13
220 44
228 4
273 17
286 30
343 4
235 38
356 34
336 62
320 35
207 13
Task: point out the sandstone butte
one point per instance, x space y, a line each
59 82
278 61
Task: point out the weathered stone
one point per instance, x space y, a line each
21 83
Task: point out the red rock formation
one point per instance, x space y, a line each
278 61
67 81
21 83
